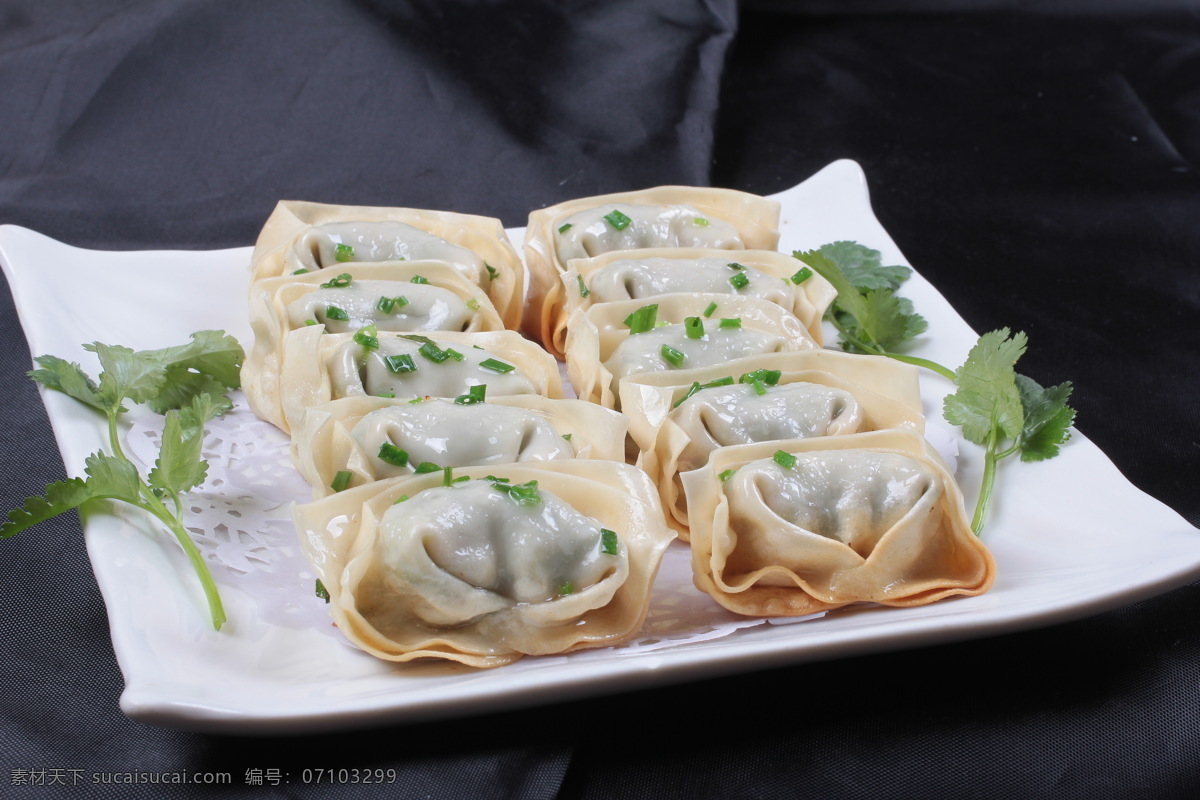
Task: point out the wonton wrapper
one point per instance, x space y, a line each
323 445
309 358
338 535
806 301
274 252
755 218
790 571
597 332
269 300
887 391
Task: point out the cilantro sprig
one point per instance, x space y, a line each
187 383
997 408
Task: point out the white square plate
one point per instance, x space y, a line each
1071 536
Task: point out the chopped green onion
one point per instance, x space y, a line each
731 322
400 499
697 386
386 304
448 476
784 459
584 291
413 337
726 475
341 480
400 363
340 282
462 478
388 395
496 366
618 220
523 494
311 322
419 279
566 589
565 228
333 312
393 455
567 436
416 400
739 281
735 265
700 222
492 273
643 319
343 252
802 275
708 312
300 271
434 353
474 395
759 388
694 327
768 376
672 356
368 337
321 591
473 304
494 479
608 542
452 353
426 467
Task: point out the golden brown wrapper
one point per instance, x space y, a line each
338 536
928 555
483 236
756 219
887 391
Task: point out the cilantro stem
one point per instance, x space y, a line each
990 458
215 608
874 350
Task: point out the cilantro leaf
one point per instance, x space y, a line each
112 477
180 466
890 320
60 496
214 353
1047 418
863 266
126 374
987 399
69 378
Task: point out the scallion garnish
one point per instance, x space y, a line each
399 364
368 338
739 281
475 394
419 279
608 542
386 304
697 386
343 253
523 494
321 591
400 499
672 356
565 228
415 337
566 589
694 327
496 366
434 353
311 322
731 322
341 480
567 436
426 467
300 271
340 282
618 220
393 455
448 476
452 353
726 475
643 319
735 265
700 222
768 376
333 312
802 275
388 395
784 459
708 312
473 304
584 291
492 273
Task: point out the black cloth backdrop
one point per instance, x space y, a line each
1038 167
